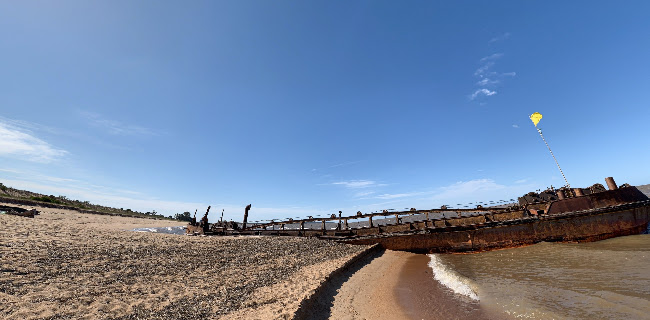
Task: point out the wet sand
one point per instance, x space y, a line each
396 285
67 265
422 297
367 292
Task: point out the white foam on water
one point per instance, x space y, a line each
451 279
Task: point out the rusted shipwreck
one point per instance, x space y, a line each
568 215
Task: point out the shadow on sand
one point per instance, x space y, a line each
319 305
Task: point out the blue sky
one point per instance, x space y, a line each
310 107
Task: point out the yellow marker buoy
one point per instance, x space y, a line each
535 117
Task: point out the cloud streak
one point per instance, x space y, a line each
501 37
342 164
481 71
492 57
363 194
462 192
388 196
482 92
356 184
487 82
19 142
116 127
478 189
487 77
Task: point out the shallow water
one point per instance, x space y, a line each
171 230
607 279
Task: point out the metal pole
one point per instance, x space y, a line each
248 207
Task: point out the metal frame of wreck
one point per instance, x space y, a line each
343 225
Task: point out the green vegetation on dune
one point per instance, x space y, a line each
49 199
12 194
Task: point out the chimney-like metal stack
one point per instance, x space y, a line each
578 192
611 184
248 207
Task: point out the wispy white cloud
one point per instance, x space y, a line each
355 184
515 126
492 57
387 196
462 192
488 77
363 194
116 127
483 69
500 37
342 164
19 142
483 91
465 188
478 189
487 82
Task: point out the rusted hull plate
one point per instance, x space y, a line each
573 228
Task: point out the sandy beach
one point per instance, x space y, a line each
64 264
69 265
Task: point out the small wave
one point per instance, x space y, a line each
451 279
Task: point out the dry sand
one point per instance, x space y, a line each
369 293
67 265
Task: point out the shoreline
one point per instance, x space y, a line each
421 297
396 285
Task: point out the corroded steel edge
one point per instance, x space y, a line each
580 226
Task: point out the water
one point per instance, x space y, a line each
607 279
171 230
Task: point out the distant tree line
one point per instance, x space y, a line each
185 216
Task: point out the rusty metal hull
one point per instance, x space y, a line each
573 218
578 226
